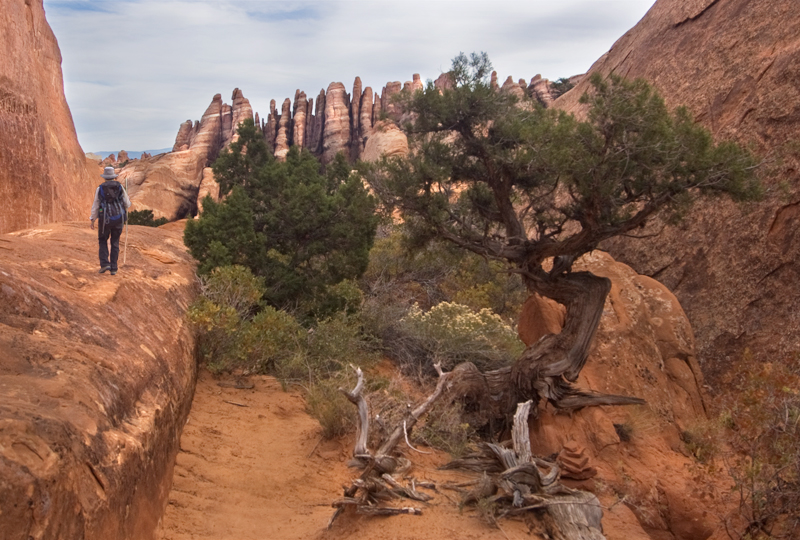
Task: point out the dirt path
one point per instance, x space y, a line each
260 471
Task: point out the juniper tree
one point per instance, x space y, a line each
299 229
537 188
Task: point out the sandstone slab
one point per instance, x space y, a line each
97 375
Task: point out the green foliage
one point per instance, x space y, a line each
225 235
302 231
400 276
560 87
145 217
233 286
512 181
236 332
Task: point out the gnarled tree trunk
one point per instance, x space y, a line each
548 367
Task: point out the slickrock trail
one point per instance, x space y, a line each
260 471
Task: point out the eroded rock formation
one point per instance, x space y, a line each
97 376
644 347
44 174
169 184
736 65
362 125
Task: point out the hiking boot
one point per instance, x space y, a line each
104 269
113 272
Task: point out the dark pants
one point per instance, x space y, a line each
103 233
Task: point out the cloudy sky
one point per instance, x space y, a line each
135 69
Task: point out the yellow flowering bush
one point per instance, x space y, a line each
451 333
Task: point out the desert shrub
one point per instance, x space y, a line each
452 333
445 429
146 218
438 272
233 286
328 405
237 332
269 339
761 420
217 330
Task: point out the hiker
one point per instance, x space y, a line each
109 206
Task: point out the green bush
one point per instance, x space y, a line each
233 286
236 332
145 217
302 228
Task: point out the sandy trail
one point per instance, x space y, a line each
260 471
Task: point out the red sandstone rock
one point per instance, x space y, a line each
168 183
387 140
444 81
284 133
44 174
644 347
240 111
208 186
365 122
540 316
336 133
315 145
540 89
97 376
355 119
271 127
510 87
736 65
122 157
300 108
388 106
184 136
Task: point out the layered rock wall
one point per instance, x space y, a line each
97 374
44 174
736 65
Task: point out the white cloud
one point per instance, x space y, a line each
134 70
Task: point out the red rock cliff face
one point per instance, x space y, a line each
44 175
736 65
96 377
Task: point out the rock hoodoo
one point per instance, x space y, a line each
736 65
363 125
44 174
97 376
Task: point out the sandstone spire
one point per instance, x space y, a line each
284 130
300 108
336 131
355 120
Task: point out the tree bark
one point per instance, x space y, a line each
548 367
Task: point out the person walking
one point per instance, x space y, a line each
110 208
